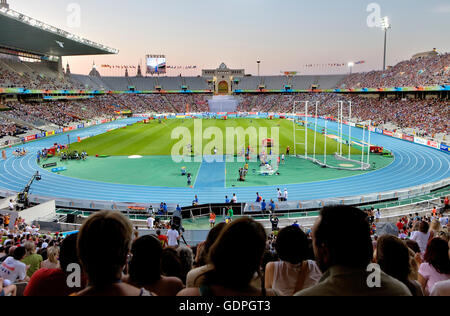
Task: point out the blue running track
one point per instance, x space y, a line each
211 174
413 165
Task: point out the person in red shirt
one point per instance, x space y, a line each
162 238
400 225
446 203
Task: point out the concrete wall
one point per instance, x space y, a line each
40 211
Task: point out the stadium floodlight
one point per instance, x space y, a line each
351 65
385 25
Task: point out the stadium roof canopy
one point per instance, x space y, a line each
25 34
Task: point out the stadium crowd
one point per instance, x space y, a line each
428 117
7 128
424 71
331 259
32 80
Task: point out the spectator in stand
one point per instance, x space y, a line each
145 268
2 252
187 261
32 259
393 256
442 288
173 237
162 238
52 261
193 278
7 290
294 272
343 249
53 282
400 225
171 265
443 220
242 241
12 268
422 236
103 246
435 228
436 265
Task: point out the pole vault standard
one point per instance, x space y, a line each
315 130
362 151
349 129
305 130
340 128
326 136
368 149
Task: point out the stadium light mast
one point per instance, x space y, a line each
385 25
351 65
4 4
259 65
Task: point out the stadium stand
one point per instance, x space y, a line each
422 71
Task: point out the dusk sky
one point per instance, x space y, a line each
284 34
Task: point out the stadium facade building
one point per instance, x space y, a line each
223 78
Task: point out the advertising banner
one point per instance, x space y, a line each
421 141
31 137
388 133
445 148
433 144
408 138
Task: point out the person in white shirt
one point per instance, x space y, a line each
443 220
422 236
280 195
234 199
150 222
377 215
294 272
173 236
12 269
12 206
285 195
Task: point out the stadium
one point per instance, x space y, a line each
176 155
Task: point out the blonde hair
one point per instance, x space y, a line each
435 226
30 248
53 254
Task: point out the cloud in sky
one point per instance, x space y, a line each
444 8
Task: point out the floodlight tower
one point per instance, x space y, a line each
351 65
385 25
4 4
259 65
